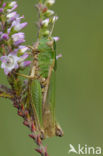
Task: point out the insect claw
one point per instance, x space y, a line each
58 130
31 47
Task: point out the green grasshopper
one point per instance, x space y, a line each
42 89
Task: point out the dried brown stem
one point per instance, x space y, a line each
29 122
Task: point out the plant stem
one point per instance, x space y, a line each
29 122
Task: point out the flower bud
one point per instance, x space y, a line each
50 43
55 18
49 12
12 16
1 10
4 5
50 2
46 33
25 63
5 36
56 38
18 38
23 49
45 22
58 56
12 4
18 26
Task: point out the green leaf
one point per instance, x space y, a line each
37 98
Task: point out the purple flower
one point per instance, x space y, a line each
17 25
18 38
58 56
12 61
25 63
13 6
9 63
23 57
4 5
22 61
5 36
56 38
12 16
23 49
1 10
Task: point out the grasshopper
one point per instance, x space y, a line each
42 89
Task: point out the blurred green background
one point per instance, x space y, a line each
79 93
